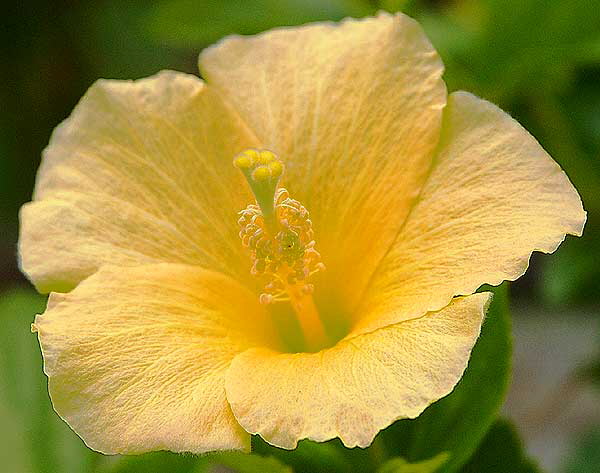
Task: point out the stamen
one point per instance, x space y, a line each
278 232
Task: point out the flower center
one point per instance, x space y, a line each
278 232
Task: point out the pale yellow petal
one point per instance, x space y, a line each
139 173
493 197
136 357
361 385
354 110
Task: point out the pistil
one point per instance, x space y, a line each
278 232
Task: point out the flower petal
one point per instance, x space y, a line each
139 173
135 357
493 197
359 386
354 110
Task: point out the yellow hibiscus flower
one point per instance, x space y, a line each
164 330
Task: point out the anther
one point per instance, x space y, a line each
287 257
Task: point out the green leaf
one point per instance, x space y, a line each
458 423
190 24
156 462
313 457
501 451
585 457
395 5
590 372
237 462
400 465
569 275
33 438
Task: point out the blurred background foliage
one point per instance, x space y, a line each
537 59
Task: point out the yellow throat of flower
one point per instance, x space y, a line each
278 232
